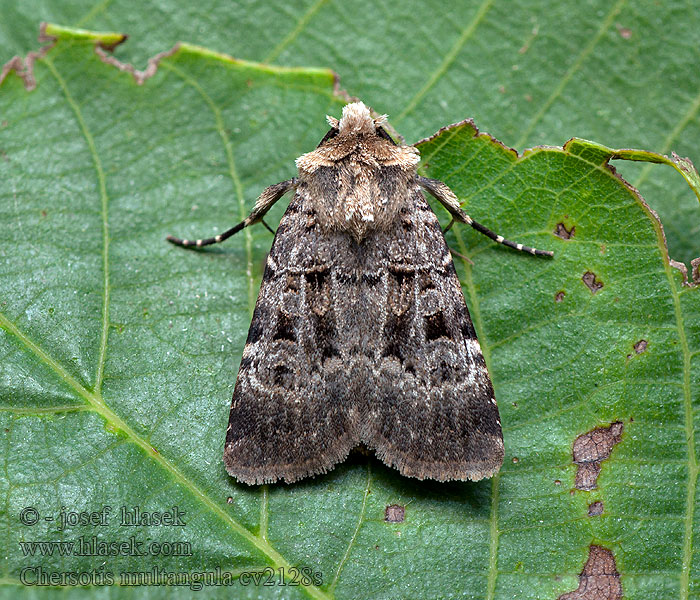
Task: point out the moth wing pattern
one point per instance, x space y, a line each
433 413
290 416
361 333
368 342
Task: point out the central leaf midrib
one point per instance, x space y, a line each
97 404
238 186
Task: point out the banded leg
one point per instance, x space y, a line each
269 196
447 198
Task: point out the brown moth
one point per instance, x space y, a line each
360 333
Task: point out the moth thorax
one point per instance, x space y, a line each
362 204
359 219
359 203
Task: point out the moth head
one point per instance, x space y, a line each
356 120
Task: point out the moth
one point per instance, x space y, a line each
360 333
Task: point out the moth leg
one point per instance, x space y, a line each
464 258
449 226
447 198
264 203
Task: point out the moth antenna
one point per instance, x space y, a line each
383 122
449 200
264 203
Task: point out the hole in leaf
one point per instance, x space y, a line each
395 513
592 448
564 233
641 346
592 282
599 579
595 509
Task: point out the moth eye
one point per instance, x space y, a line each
330 135
383 134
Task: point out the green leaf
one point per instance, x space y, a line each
623 73
119 352
566 358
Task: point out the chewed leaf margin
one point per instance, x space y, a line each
601 155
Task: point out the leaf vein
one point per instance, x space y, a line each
104 200
360 520
449 58
545 106
294 33
95 400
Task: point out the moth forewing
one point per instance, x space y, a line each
360 332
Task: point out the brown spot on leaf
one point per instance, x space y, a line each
557 482
599 579
394 513
625 33
590 449
229 500
111 46
590 280
516 460
694 272
640 346
595 509
564 233
559 296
